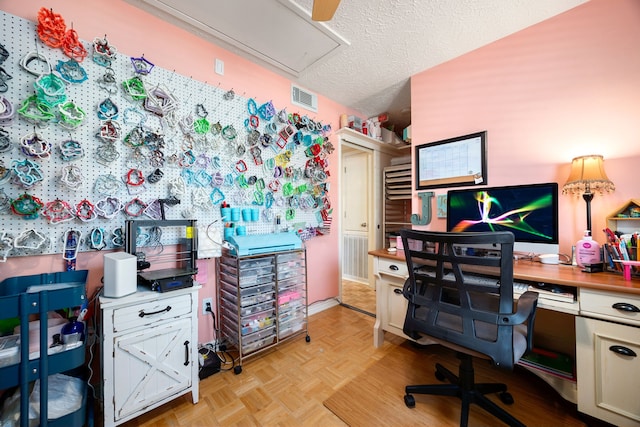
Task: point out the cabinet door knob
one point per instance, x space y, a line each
397 291
624 351
394 267
364 224
625 306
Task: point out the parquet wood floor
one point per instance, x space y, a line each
288 385
359 295
285 386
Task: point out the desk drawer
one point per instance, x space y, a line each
150 313
392 267
612 306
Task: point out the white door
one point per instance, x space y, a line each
151 365
356 201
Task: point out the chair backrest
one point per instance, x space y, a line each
460 294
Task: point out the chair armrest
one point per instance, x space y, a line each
406 289
525 310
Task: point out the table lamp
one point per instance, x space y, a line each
587 175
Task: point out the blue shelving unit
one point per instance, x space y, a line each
21 297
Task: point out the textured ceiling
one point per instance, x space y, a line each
390 40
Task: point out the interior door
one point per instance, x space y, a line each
356 202
356 193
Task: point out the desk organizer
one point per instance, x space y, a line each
627 267
22 297
614 262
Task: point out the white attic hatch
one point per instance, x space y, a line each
278 33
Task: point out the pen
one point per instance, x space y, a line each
611 237
623 250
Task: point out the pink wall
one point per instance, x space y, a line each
566 87
134 33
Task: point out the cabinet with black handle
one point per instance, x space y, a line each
150 351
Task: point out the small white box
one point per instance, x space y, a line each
120 274
386 135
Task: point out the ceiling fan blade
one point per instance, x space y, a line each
323 10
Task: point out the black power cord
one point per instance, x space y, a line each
224 359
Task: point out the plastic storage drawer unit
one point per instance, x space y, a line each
262 299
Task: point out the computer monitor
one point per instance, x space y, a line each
529 211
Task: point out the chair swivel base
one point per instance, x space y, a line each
464 387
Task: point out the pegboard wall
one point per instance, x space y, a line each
110 137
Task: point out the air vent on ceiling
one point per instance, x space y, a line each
304 98
227 24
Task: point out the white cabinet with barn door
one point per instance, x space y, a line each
149 354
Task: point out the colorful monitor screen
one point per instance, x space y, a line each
530 212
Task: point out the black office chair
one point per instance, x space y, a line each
460 292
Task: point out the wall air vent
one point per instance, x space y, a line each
303 98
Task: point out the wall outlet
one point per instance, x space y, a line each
206 301
212 345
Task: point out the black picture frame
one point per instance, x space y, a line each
453 162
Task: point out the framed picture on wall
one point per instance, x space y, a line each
453 162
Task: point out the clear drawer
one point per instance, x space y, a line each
254 322
292 293
248 280
247 294
291 256
256 263
289 328
257 345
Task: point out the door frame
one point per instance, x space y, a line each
369 217
381 155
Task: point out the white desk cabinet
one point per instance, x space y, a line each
149 353
608 356
607 332
391 305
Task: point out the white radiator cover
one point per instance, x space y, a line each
355 261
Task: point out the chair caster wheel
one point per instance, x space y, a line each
506 398
440 376
307 338
409 400
237 369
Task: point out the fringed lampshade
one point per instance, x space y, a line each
587 175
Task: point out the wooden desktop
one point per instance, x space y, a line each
600 330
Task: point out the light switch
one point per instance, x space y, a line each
219 66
